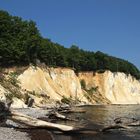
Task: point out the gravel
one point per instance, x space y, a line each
12 134
7 133
33 112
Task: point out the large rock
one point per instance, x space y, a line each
18 103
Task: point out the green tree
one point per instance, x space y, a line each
21 44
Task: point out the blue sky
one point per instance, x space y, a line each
111 26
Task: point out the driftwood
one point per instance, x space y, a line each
127 121
114 127
36 123
124 123
5 113
73 111
56 115
68 109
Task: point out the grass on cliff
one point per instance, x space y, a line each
89 92
11 84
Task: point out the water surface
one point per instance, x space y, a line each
97 117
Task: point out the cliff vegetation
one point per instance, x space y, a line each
22 44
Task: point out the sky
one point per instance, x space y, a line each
110 26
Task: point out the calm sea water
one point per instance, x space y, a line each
97 117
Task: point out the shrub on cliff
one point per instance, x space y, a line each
83 84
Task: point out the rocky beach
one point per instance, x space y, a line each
11 132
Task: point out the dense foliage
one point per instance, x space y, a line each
22 44
18 40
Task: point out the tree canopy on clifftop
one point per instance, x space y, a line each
22 44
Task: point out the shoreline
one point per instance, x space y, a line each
38 134
13 133
8 133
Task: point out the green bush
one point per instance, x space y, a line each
1 77
83 84
13 79
66 100
100 71
11 95
92 90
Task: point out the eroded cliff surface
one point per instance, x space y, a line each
118 88
55 84
108 87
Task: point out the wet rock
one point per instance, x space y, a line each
30 102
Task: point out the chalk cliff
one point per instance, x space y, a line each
118 88
55 84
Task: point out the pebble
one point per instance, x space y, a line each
12 134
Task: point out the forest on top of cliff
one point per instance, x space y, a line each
21 44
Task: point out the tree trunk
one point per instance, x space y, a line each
33 122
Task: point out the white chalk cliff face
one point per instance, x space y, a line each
58 82
118 88
54 82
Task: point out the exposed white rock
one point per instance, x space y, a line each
17 103
54 82
2 94
116 87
